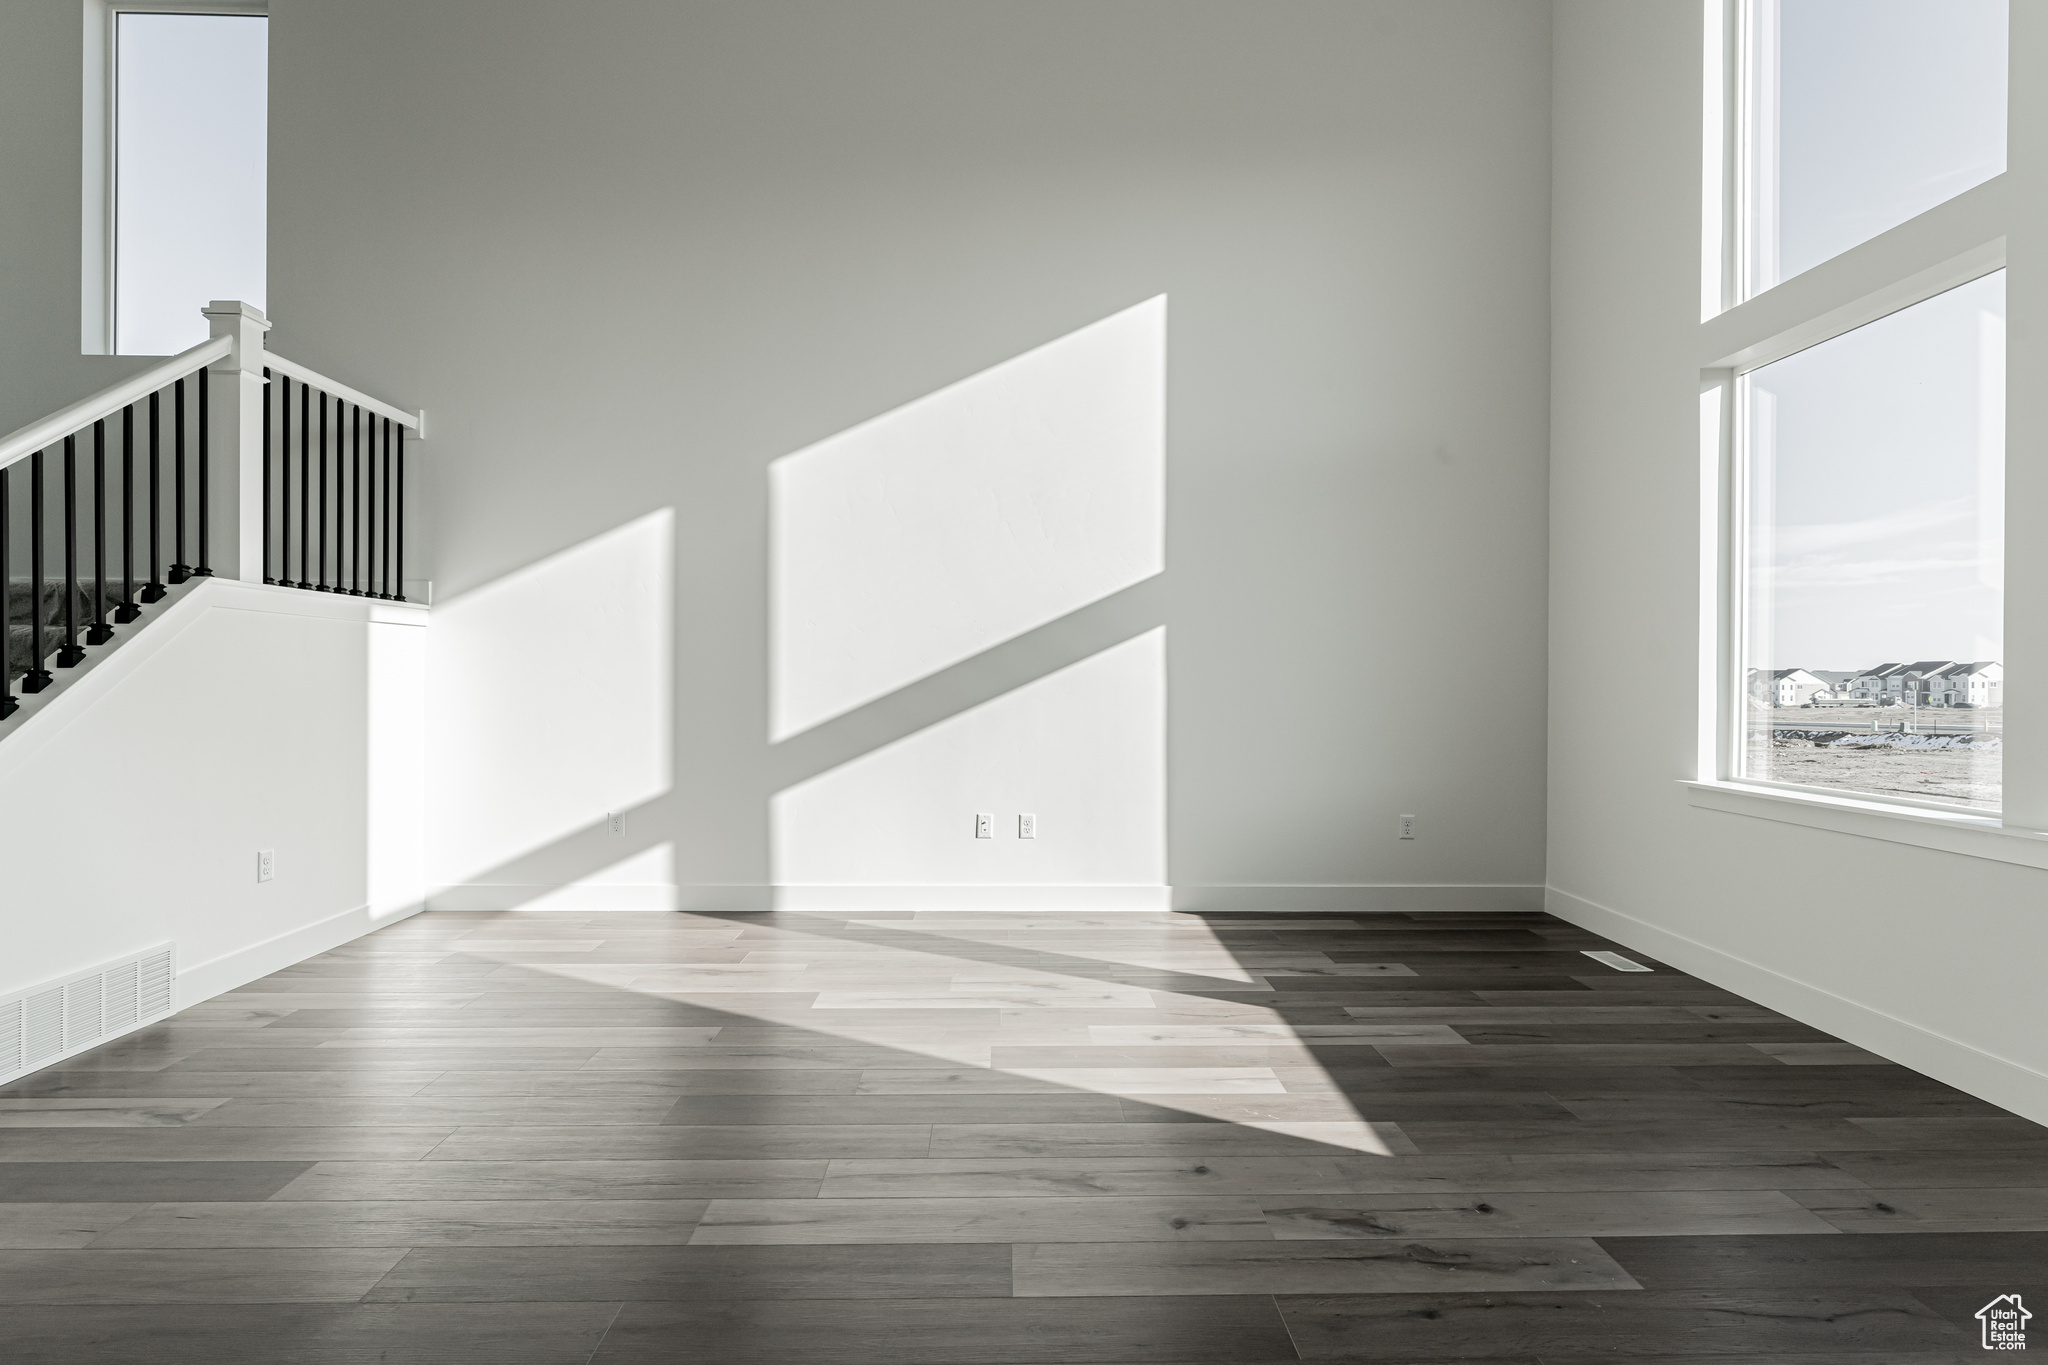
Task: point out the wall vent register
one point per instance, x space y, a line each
47 1023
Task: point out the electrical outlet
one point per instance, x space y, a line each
615 822
984 826
266 864
1407 827
1027 827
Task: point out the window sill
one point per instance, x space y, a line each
1973 836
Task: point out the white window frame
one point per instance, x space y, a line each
98 174
1949 245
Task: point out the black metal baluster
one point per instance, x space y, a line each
385 576
70 654
204 569
305 482
284 469
399 538
320 581
355 501
8 704
370 501
37 678
100 632
155 591
266 476
127 611
180 570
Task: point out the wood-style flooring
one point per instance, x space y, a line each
1000 1139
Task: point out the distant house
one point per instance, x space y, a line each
1784 686
1930 682
1977 684
1875 684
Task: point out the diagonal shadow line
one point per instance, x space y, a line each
785 1027
575 855
855 927
1016 662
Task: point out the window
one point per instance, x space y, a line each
185 212
1861 114
1864 446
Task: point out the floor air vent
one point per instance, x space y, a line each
1616 961
45 1024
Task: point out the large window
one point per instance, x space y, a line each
1864 443
1862 114
190 102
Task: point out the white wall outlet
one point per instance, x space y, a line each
984 826
1027 827
1407 827
266 864
615 822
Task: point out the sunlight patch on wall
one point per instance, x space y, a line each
550 699
963 519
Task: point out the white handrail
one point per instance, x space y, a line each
343 392
40 435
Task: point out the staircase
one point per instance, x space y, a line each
231 461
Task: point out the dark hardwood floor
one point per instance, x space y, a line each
927 1139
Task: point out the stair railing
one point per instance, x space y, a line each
227 404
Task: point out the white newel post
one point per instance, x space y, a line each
235 420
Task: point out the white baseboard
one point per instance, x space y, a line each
1361 898
2000 1080
239 968
500 897
1354 899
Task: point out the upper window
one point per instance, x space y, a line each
1860 115
190 106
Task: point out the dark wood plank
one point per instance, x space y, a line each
122 1182
1901 1260
314 1334
1238 1330
596 1274
1646 1325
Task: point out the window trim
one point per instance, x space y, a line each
98 172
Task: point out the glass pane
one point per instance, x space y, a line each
1864 113
1875 527
190 136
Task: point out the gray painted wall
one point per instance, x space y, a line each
628 254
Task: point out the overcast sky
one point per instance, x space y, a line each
1878 502
1886 108
192 95
1877 509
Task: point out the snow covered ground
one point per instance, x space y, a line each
1838 749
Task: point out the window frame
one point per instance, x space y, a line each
1958 241
99 171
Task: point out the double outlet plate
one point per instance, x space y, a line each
985 826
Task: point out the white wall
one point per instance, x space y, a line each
1926 956
41 107
762 274
132 806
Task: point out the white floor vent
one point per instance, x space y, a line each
1616 961
48 1023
